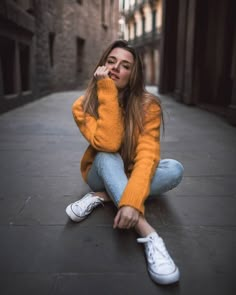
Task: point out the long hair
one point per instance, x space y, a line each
135 99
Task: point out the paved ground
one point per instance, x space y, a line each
41 252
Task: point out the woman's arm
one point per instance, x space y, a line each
106 132
146 160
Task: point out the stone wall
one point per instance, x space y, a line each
51 45
78 37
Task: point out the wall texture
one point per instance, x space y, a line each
51 46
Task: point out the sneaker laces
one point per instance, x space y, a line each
89 203
156 250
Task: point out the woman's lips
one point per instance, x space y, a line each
113 76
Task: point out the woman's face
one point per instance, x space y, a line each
120 63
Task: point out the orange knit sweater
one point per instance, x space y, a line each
106 134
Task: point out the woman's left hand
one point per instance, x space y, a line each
126 217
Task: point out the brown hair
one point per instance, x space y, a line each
135 99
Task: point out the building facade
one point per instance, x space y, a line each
188 49
198 54
50 45
143 21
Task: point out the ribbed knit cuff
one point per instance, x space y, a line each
106 83
132 203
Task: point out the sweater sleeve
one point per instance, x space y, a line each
104 133
146 159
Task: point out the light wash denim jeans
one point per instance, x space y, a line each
107 174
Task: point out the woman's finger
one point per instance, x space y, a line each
101 72
116 220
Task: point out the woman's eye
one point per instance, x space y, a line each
126 67
110 61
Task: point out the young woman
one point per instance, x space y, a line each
121 122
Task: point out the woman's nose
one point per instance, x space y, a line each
116 66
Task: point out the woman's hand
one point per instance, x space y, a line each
126 217
101 73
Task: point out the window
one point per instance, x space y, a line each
123 5
8 62
111 11
104 14
143 24
154 20
51 39
24 51
79 54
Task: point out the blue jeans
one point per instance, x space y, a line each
107 174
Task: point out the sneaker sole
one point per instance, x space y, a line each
166 279
72 215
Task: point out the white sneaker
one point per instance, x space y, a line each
161 267
79 210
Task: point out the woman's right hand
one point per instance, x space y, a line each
101 73
126 217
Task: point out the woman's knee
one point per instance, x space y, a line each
177 170
174 168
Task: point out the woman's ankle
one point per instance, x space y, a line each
143 228
102 195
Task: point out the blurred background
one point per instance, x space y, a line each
188 47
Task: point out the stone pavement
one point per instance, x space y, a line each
41 252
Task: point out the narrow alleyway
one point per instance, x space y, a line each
41 252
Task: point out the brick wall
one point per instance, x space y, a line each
64 40
71 25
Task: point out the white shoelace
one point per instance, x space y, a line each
88 203
156 250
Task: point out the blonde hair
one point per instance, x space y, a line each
135 98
